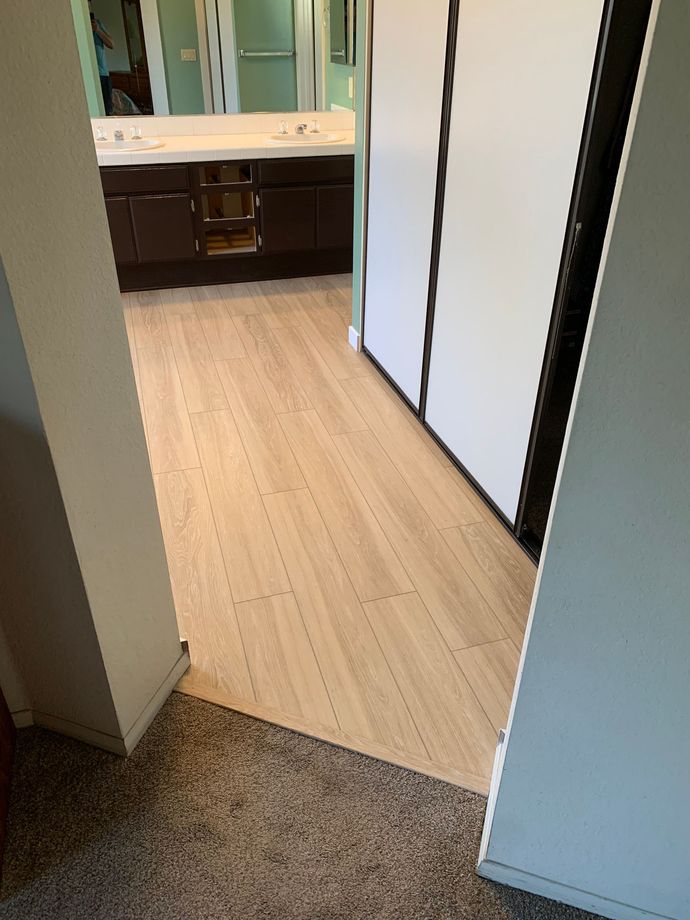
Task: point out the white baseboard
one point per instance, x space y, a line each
556 891
353 338
23 718
103 740
151 710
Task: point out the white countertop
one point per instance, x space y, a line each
193 148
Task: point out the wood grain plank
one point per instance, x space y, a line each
491 671
221 335
459 610
444 495
279 380
203 602
239 298
324 391
331 291
177 301
365 697
171 441
200 383
453 726
278 305
326 330
251 556
148 319
505 580
134 357
270 456
284 671
369 559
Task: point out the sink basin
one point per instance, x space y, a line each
321 137
140 143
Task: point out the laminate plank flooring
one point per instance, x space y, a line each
332 572
254 566
198 375
200 584
365 697
270 457
491 670
284 669
460 611
445 497
171 441
373 567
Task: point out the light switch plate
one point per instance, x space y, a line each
188 54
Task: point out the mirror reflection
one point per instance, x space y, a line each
189 57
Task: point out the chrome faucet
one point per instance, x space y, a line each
300 128
119 135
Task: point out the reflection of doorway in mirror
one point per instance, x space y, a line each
126 60
265 55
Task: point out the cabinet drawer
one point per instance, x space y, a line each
133 179
306 169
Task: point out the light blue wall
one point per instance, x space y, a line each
594 793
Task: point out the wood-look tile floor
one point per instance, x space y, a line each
331 570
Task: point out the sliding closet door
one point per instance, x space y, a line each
522 77
408 59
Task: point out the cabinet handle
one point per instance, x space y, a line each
196 245
258 201
193 206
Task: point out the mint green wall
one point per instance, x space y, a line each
266 84
337 76
87 57
178 30
360 127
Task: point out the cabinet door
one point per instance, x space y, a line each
163 227
120 225
288 219
334 216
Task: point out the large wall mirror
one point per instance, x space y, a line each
190 57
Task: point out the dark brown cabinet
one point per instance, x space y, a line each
288 219
163 227
240 220
120 223
334 216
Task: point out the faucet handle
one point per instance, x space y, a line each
101 134
314 127
282 127
135 133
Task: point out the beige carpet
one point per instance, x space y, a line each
220 817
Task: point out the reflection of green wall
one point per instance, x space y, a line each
337 76
266 84
87 57
178 30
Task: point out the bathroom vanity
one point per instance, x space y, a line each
232 220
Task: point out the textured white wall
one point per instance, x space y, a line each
594 790
58 262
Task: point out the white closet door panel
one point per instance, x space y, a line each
522 77
408 59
